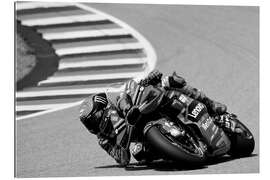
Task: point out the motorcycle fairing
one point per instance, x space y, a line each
214 136
197 114
149 99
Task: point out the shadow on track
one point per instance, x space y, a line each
172 166
155 165
222 159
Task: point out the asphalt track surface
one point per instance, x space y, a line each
214 48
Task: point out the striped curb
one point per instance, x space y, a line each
95 50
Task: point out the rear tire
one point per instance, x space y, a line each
242 144
174 152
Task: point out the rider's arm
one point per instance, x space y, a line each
116 145
115 150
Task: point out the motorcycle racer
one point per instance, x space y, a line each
97 114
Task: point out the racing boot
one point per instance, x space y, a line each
229 123
213 107
176 81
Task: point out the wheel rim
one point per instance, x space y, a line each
183 142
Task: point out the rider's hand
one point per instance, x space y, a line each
153 78
133 115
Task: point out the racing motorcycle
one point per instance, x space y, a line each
176 127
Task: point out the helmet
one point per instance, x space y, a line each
91 111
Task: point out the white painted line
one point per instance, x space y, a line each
64 106
152 57
59 79
97 63
98 48
40 107
33 5
63 20
60 92
85 33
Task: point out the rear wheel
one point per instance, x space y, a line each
241 144
184 148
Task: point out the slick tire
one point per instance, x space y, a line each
242 144
173 152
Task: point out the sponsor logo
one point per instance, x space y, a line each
207 123
196 111
183 98
101 100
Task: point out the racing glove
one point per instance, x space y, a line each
214 107
153 78
174 81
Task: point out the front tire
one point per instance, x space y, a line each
169 147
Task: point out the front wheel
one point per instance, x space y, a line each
185 148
